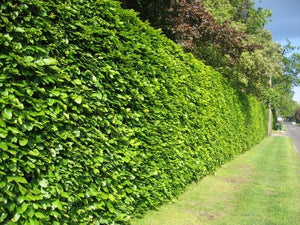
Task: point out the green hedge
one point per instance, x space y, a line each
102 117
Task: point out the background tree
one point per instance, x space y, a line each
153 11
250 19
292 67
189 24
260 72
291 70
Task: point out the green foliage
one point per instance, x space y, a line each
290 63
251 20
103 118
189 24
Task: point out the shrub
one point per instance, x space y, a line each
103 118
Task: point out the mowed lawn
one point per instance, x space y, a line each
261 186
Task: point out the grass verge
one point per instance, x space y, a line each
261 186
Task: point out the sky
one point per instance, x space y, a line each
285 24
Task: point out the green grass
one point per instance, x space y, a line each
262 186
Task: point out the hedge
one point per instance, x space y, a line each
102 117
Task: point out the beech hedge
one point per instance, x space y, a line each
102 117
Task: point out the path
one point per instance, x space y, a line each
293 131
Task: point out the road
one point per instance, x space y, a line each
294 132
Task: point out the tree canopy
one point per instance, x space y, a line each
188 23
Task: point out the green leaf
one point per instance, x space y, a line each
17 179
77 81
44 183
7 114
33 197
28 126
40 62
23 141
16 217
111 197
3 215
14 130
57 204
34 152
2 123
19 29
40 215
23 207
64 194
34 221
14 139
22 189
78 99
50 61
30 211
55 92
20 199
51 101
29 92
3 146
39 139
28 59
19 105
110 207
11 206
3 134
7 37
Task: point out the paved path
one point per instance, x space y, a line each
293 131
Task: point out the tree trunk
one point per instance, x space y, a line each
270 111
270 121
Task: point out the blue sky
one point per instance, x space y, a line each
285 24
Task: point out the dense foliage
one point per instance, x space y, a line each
242 12
188 23
103 118
229 35
193 26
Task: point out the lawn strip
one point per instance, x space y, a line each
261 186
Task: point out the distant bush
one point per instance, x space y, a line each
103 118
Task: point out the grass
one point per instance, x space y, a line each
262 186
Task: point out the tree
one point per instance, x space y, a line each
189 24
192 25
153 11
291 70
259 73
242 14
292 67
